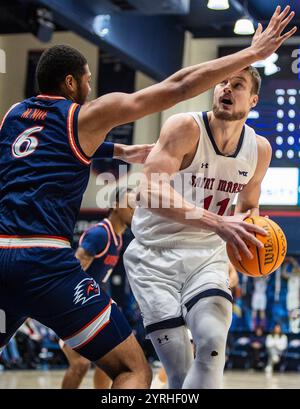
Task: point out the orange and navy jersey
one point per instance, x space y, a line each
101 242
43 170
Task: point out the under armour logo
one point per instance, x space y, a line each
243 173
204 165
163 340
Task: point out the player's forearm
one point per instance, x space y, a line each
186 83
119 151
201 218
111 150
192 216
85 261
199 78
165 201
85 264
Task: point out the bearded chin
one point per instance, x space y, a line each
227 116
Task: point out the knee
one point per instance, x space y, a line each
211 348
141 371
80 367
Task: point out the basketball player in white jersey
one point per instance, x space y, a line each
178 266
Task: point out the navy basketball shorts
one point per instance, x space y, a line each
48 284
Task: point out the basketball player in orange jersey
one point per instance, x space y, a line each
47 143
177 265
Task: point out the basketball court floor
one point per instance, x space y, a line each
232 380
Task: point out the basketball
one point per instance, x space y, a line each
267 259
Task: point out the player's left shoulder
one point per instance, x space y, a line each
263 146
97 231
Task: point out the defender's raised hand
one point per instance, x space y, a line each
266 42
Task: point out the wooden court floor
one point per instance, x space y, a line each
232 380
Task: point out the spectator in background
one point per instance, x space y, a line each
259 302
291 271
257 348
10 357
276 344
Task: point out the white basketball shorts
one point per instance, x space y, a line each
168 282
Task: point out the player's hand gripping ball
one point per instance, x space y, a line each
267 259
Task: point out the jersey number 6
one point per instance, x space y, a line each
26 143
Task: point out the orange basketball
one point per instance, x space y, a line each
267 259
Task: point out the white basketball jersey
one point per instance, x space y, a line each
211 181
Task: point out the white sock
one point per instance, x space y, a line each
175 352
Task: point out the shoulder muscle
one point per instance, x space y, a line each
179 136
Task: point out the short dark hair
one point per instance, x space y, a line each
117 195
55 64
256 79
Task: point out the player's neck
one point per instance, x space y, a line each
226 133
117 224
60 93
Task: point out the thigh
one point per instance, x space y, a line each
207 276
154 279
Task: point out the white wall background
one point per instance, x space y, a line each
16 47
